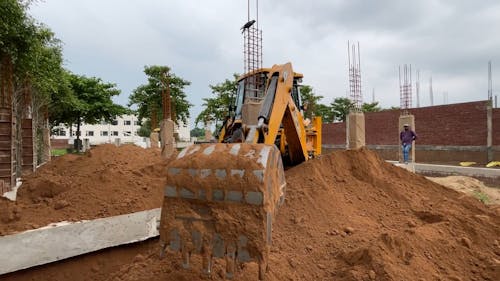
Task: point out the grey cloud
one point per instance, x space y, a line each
450 40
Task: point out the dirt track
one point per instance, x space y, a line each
348 216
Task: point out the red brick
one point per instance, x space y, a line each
460 124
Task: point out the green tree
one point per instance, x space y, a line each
197 132
145 129
217 108
30 67
340 108
148 99
88 101
16 30
371 107
310 101
325 111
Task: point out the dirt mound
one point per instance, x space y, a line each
106 181
352 216
347 216
471 186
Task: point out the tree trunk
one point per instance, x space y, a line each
78 143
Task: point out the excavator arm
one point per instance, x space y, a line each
279 109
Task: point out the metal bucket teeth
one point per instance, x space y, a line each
220 201
232 251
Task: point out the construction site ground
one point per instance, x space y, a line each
348 215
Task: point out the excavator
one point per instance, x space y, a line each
221 198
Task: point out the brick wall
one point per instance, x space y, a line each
456 124
460 128
382 127
496 126
59 144
333 133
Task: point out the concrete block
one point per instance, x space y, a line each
68 239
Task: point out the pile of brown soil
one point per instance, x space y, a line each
347 216
105 181
471 186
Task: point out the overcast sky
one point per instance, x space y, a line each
452 41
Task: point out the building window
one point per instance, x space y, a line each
136 123
127 133
114 122
89 133
127 122
114 133
59 132
104 133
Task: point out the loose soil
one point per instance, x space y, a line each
105 181
471 186
348 215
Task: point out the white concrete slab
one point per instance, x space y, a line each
448 170
63 240
12 195
458 170
410 166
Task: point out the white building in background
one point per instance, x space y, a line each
124 128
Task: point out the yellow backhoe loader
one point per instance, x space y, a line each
221 198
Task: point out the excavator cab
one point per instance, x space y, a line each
220 199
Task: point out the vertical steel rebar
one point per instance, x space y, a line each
354 69
405 89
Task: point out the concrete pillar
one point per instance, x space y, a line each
85 145
355 130
489 137
410 120
208 132
28 155
46 155
167 137
154 137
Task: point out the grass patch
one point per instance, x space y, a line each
59 152
481 196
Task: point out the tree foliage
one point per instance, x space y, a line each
371 107
310 101
216 108
89 100
197 132
148 99
325 112
340 108
17 30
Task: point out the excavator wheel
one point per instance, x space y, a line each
220 201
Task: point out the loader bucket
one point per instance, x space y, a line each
220 201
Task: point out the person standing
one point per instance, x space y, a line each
407 137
